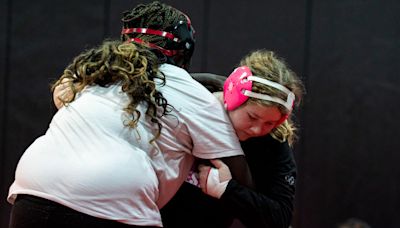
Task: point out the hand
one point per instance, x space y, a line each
213 181
62 92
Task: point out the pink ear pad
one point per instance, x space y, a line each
282 119
234 86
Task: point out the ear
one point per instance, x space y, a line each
284 117
281 120
234 86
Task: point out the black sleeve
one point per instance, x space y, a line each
273 168
190 207
274 172
213 82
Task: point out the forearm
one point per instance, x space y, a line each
274 171
240 170
212 82
256 209
237 164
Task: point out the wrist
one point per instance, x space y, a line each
214 187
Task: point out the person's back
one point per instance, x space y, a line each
103 164
149 171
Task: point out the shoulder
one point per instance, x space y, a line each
172 70
181 90
268 149
266 142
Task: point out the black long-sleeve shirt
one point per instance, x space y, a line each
270 204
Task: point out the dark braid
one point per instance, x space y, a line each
154 15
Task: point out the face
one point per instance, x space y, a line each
254 120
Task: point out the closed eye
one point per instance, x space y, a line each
269 124
251 117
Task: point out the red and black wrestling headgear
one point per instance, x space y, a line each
179 40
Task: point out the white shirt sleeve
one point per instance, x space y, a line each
212 133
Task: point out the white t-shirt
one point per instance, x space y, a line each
198 126
91 162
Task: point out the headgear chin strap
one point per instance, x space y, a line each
238 86
180 39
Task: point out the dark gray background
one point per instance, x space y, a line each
346 51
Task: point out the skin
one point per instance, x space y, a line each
62 91
252 120
249 120
223 171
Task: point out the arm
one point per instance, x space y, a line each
271 204
239 170
237 164
212 82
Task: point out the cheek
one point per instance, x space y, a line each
240 122
241 126
267 130
237 121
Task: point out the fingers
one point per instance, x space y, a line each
223 170
62 92
213 186
203 174
213 181
217 163
66 80
57 94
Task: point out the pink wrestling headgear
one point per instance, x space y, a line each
238 86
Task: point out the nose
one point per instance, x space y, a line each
256 130
259 130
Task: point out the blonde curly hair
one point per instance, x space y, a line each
134 66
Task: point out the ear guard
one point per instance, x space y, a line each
180 39
238 86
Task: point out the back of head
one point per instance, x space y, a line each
163 28
267 65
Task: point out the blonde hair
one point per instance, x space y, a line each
113 62
266 64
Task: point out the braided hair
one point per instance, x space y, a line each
161 17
